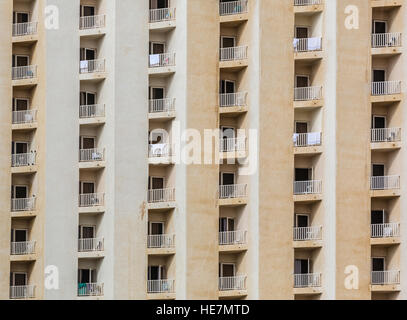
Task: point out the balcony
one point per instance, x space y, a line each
233 58
161 198
232 12
385 183
233 103
91 244
23 159
386 43
89 200
92 69
308 48
23 204
307 187
90 289
24 119
307 142
307 283
308 6
307 2
91 114
386 138
24 29
308 93
92 22
232 147
22 292
160 154
161 244
22 248
233 194
385 88
162 63
233 240
160 286
385 280
163 18
24 75
307 237
161 108
232 286
91 158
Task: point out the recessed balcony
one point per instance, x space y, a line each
162 18
161 244
386 138
22 292
92 69
90 23
307 143
307 237
91 244
232 286
161 108
307 48
385 281
308 6
307 283
227 8
161 64
233 103
161 198
91 200
386 43
90 289
92 114
385 186
162 286
307 190
160 154
22 248
25 32
233 240
233 194
386 91
24 119
385 233
232 147
91 158
24 75
308 93
23 204
306 2
233 58
23 162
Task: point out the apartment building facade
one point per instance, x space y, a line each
96 202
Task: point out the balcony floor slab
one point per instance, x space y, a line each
162 26
92 121
23 257
161 296
232 293
307 198
385 288
384 193
98 209
384 241
307 291
24 126
307 244
24 169
160 251
91 255
161 205
308 104
232 202
386 98
233 248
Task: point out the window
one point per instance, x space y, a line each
87 98
87 54
156 228
301 220
19 147
19 192
159 4
378 217
18 279
21 17
19 235
301 81
379 122
156 93
87 187
20 60
87 276
303 174
226 224
379 75
301 127
87 232
378 264
227 42
87 142
301 32
156 183
302 266
227 178
157 47
379 26
378 170
87 11
227 86
21 104
227 270
156 272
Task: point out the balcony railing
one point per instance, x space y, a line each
161 60
22 292
91 199
161 241
161 105
92 22
306 2
23 247
234 53
308 233
386 135
308 93
238 99
232 283
91 155
25 72
382 40
385 183
91 244
23 204
160 286
92 111
307 44
385 230
232 191
23 159
90 289
307 187
24 116
24 29
164 14
385 277
307 139
307 280
92 66
232 7
382 88
159 150
161 195
232 237
232 144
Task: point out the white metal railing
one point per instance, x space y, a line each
24 116
89 155
91 199
232 283
238 99
92 22
90 289
23 159
232 237
24 29
385 230
381 40
159 150
234 53
23 204
308 93
163 14
385 183
25 72
161 105
386 135
92 66
23 247
22 292
307 44
306 2
308 187
91 244
308 233
307 280
232 7
232 144
307 139
386 87
161 60
92 111
161 195
232 191
161 240
385 277
160 286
